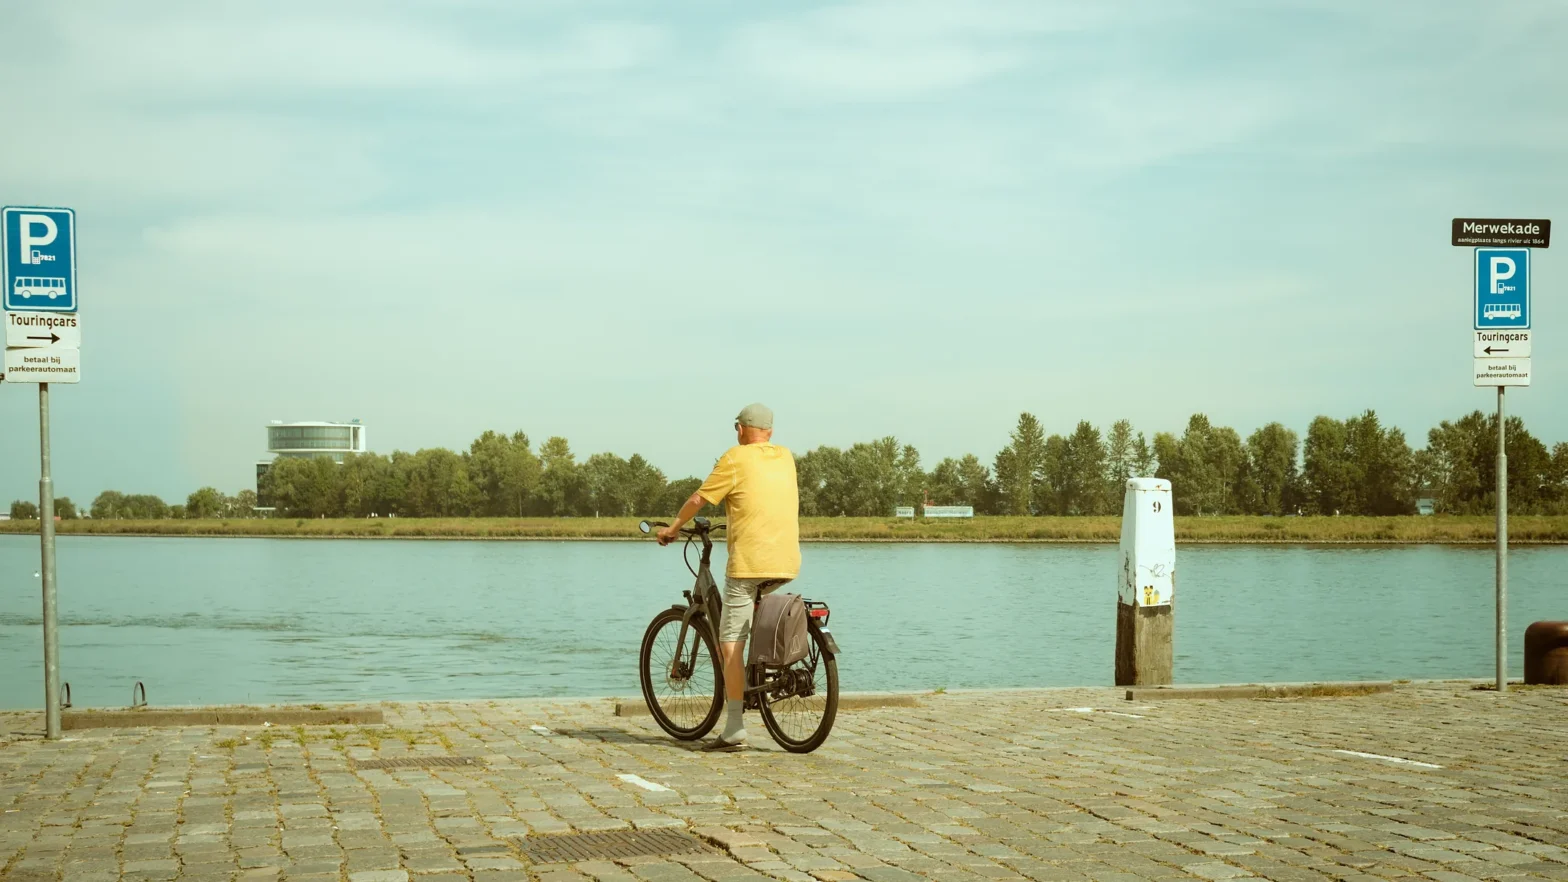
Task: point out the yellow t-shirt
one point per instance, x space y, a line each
756 483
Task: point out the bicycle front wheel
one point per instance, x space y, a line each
681 683
799 713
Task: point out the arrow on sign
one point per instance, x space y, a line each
1489 350
55 338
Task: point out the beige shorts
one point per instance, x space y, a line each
740 597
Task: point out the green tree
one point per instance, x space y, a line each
1144 459
506 472
1084 488
1228 459
1557 479
1205 467
240 505
607 479
874 481
1121 452
1020 467
813 481
869 479
1357 467
647 485
562 490
1271 456
675 495
1327 472
1051 494
304 487
976 486
22 510
65 509
1382 467
145 507
1460 466
819 481
1167 457
942 484
365 482
909 479
108 505
208 502
437 485
963 481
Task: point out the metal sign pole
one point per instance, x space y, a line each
1502 550
46 532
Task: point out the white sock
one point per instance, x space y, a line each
734 726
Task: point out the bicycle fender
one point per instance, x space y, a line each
828 642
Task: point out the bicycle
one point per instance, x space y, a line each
683 677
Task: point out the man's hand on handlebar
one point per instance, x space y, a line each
666 535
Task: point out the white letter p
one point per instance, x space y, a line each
30 241
1502 268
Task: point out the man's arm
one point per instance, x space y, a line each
688 511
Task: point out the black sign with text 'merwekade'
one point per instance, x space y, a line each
1502 232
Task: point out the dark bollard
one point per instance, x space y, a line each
1546 654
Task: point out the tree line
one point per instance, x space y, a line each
1354 466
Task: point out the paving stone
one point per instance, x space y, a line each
972 786
379 876
1216 871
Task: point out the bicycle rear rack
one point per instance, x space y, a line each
817 609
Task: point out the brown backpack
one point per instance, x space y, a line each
778 634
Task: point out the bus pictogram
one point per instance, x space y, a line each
28 287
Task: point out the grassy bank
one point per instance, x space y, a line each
1406 530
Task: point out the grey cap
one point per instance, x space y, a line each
757 416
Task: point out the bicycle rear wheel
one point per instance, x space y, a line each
685 696
799 715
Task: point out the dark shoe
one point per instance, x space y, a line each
719 745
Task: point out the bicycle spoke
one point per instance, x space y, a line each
685 701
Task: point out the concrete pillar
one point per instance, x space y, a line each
1146 585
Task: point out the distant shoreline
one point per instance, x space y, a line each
1408 530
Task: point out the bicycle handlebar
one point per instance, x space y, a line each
700 526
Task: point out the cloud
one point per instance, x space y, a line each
886 50
197 106
224 49
108 161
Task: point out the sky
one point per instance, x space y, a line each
621 222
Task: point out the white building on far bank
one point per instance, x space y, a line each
309 439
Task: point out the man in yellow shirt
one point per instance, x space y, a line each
755 481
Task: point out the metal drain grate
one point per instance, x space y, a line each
608 846
415 762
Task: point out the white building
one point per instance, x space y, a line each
336 440
309 439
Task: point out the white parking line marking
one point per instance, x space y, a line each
1392 759
644 783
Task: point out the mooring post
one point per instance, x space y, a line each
1146 585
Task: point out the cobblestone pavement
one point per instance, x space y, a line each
1436 781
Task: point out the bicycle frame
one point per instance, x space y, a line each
705 600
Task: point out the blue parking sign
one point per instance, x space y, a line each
39 246
1502 288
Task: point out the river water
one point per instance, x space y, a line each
278 620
